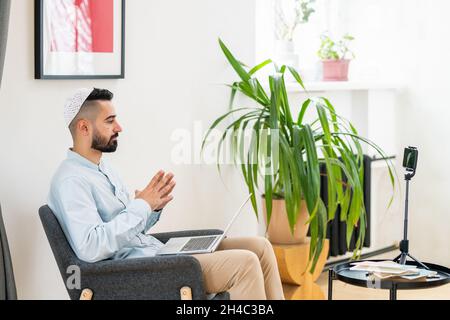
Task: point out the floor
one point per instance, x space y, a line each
343 291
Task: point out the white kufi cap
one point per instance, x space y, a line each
74 103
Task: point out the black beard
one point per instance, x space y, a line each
100 144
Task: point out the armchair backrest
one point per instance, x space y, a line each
61 248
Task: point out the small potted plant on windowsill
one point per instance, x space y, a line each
335 57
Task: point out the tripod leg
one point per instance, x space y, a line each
397 258
403 258
420 263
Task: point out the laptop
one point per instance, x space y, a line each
197 244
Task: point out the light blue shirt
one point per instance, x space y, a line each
96 213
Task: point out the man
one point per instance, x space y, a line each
101 221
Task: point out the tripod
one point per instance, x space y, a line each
404 244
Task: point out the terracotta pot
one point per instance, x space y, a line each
278 231
335 70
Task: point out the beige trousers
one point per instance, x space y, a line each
245 267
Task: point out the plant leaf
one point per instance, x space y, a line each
237 66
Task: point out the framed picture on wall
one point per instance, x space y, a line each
79 39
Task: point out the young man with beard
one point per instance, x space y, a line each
101 220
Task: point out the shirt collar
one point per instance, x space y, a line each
71 155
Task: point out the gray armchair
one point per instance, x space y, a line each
153 278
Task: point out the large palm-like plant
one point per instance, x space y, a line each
293 172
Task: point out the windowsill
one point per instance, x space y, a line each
317 86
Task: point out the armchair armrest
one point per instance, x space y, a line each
165 236
152 278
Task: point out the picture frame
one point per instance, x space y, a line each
80 39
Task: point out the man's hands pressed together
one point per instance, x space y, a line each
158 192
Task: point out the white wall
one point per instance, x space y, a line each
407 40
174 77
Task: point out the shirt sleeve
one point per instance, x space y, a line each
91 238
152 220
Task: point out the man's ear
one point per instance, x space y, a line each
83 127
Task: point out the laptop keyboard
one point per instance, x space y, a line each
198 243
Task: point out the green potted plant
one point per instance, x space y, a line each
335 57
285 153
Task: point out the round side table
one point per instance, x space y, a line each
343 273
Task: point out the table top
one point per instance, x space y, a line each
343 273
